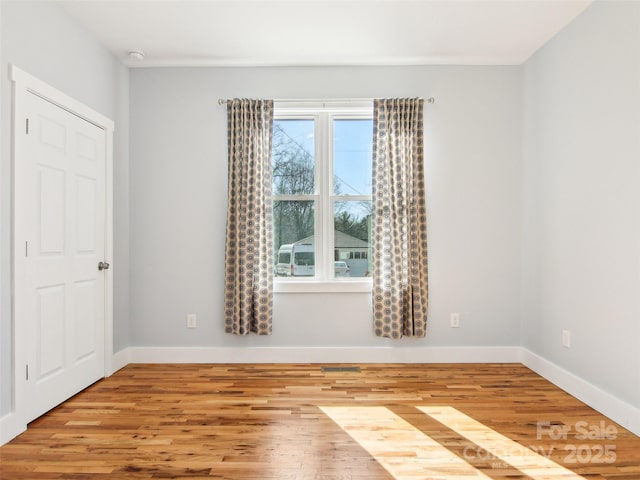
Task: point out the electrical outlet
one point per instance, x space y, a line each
192 320
454 320
566 338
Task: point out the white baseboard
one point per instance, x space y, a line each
617 410
324 355
121 359
10 428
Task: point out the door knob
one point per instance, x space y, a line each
103 266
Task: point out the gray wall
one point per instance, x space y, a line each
178 204
581 241
532 176
40 38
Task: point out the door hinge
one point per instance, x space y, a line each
27 126
27 372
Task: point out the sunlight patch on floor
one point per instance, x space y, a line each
403 450
533 464
408 453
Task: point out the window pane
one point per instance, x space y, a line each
352 238
293 238
292 157
352 153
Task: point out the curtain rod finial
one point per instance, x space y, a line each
431 100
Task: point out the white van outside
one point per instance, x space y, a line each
296 260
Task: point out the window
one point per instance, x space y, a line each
321 172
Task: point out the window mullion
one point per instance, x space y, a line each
295 197
330 237
322 243
338 198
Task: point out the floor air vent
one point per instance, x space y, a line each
341 369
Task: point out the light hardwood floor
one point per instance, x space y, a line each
245 422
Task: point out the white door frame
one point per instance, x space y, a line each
25 84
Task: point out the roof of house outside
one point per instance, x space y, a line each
340 240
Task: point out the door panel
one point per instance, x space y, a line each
50 323
52 211
86 191
66 240
85 315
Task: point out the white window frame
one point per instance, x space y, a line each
323 114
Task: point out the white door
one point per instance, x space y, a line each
63 178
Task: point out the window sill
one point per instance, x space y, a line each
316 286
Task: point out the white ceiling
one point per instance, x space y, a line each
324 32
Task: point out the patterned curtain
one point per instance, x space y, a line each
249 244
399 219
